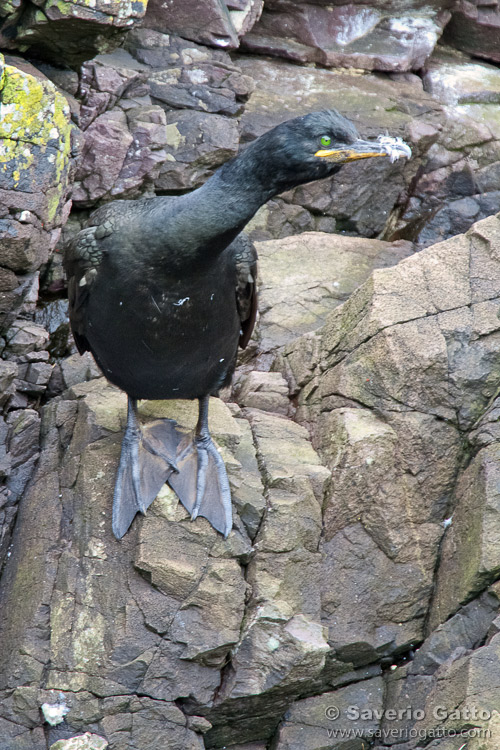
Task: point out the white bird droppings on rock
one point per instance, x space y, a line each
54 713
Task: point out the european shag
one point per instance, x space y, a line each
162 291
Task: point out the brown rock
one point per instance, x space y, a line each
348 35
33 377
197 144
122 155
155 49
78 368
188 76
474 28
455 79
267 391
460 692
469 559
290 650
355 573
207 87
215 23
277 219
125 133
289 461
282 647
392 378
5 459
168 640
208 24
107 79
304 277
323 721
466 630
25 337
244 14
450 195
107 142
8 371
68 32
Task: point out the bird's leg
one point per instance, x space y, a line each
202 440
127 495
205 448
130 447
145 465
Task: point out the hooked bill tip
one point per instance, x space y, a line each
394 147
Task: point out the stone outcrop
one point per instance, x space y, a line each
35 129
129 148
37 160
175 642
280 635
362 384
350 35
474 28
459 183
168 113
356 601
124 132
218 23
67 31
304 277
128 151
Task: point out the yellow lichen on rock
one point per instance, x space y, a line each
35 135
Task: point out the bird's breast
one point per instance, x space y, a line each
166 341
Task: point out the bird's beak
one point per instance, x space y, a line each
360 149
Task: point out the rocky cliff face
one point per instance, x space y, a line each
356 602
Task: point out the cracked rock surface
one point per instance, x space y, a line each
356 602
366 540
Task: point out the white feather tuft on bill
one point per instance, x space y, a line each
394 147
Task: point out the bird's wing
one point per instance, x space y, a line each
245 256
82 259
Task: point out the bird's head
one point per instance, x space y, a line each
316 145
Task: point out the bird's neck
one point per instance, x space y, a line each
208 219
234 194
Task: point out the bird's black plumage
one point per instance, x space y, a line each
162 290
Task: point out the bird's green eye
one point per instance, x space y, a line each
325 140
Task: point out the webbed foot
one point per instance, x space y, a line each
146 462
201 483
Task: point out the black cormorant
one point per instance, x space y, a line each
162 291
